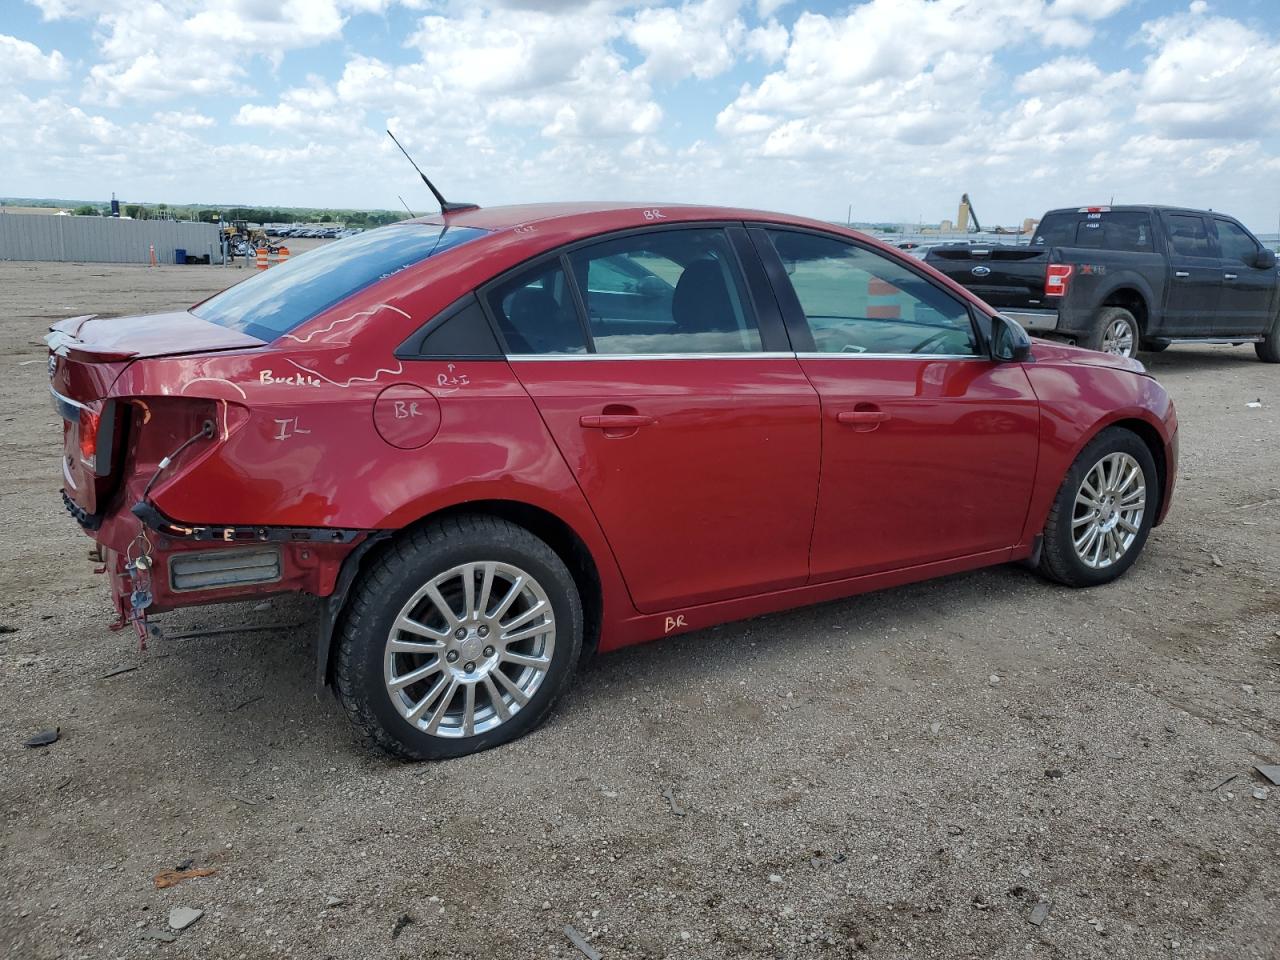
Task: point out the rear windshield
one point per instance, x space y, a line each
281 298
1103 230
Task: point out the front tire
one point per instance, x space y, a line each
1268 348
1115 331
460 637
1103 512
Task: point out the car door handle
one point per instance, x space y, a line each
1228 276
1181 273
862 417
615 421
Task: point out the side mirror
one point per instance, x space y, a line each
1265 259
1009 342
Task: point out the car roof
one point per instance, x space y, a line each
1144 208
592 216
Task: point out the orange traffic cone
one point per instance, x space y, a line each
262 258
283 255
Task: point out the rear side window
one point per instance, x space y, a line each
670 291
536 312
1101 230
1235 243
858 301
1189 236
280 299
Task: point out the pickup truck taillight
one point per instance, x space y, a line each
1056 277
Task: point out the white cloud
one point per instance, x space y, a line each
24 62
185 119
698 39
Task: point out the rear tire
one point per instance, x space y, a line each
1115 331
1103 512
1268 349
429 667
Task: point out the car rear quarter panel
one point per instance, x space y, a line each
1077 402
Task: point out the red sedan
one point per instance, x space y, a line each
493 440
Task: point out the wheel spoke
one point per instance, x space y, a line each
1085 541
413 676
1129 527
442 707
525 617
499 705
469 592
415 646
409 625
421 706
524 660
486 588
516 586
446 611
518 695
469 710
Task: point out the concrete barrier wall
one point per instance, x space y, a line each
28 236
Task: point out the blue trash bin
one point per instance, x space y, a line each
179 255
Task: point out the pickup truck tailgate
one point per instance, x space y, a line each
1002 276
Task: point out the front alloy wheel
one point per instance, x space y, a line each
1109 507
1103 512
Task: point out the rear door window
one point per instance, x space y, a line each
666 292
1189 235
278 300
536 312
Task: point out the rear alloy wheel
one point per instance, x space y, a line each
461 637
1115 331
1103 512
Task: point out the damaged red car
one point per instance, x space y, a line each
493 441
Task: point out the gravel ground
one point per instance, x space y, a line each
906 774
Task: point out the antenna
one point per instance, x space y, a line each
405 205
445 205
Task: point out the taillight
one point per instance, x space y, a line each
1056 276
90 420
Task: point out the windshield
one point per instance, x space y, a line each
281 298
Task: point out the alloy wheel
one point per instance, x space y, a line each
470 649
1109 507
1119 338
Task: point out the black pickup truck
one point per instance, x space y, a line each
1122 278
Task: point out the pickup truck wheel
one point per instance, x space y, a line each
1115 331
461 637
1268 348
1103 512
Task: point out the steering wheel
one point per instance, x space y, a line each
936 338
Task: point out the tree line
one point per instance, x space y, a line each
164 211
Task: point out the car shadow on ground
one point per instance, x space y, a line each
1188 359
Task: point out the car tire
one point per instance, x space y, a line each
1083 545
1115 331
1268 348
394 630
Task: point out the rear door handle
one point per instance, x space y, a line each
1181 273
615 421
862 417
1228 276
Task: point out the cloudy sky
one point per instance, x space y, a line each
893 106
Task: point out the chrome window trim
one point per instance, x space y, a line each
540 358
757 355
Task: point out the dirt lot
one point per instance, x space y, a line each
900 775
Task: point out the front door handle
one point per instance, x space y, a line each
1228 276
864 419
615 421
1182 273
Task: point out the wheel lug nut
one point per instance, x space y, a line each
488 651
469 667
483 631
460 633
452 656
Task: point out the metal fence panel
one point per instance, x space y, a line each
26 236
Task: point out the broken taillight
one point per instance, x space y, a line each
1056 276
